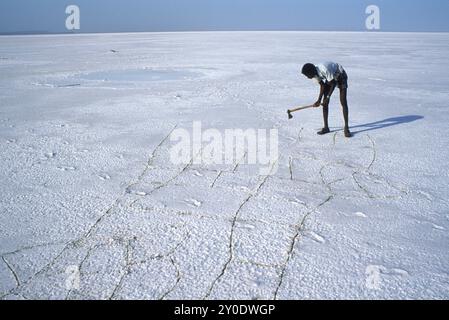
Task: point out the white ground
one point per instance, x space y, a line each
86 182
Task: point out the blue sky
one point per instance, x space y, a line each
193 15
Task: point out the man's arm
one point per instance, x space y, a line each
318 102
332 85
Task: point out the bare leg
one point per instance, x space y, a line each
327 93
325 119
344 105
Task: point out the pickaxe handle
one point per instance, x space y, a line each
301 108
289 112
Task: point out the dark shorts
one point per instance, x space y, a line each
342 84
342 81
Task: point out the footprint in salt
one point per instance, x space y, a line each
360 214
398 272
64 168
197 173
193 203
244 189
246 225
104 176
315 236
435 226
297 201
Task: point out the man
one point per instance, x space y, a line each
329 75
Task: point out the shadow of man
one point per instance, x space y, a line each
385 123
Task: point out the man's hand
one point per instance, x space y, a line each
317 104
326 101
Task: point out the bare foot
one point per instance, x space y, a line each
323 131
348 133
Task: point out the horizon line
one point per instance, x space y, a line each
45 33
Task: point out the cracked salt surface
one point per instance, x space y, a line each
87 184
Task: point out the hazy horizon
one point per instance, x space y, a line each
43 33
119 16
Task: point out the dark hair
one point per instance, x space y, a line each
309 70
